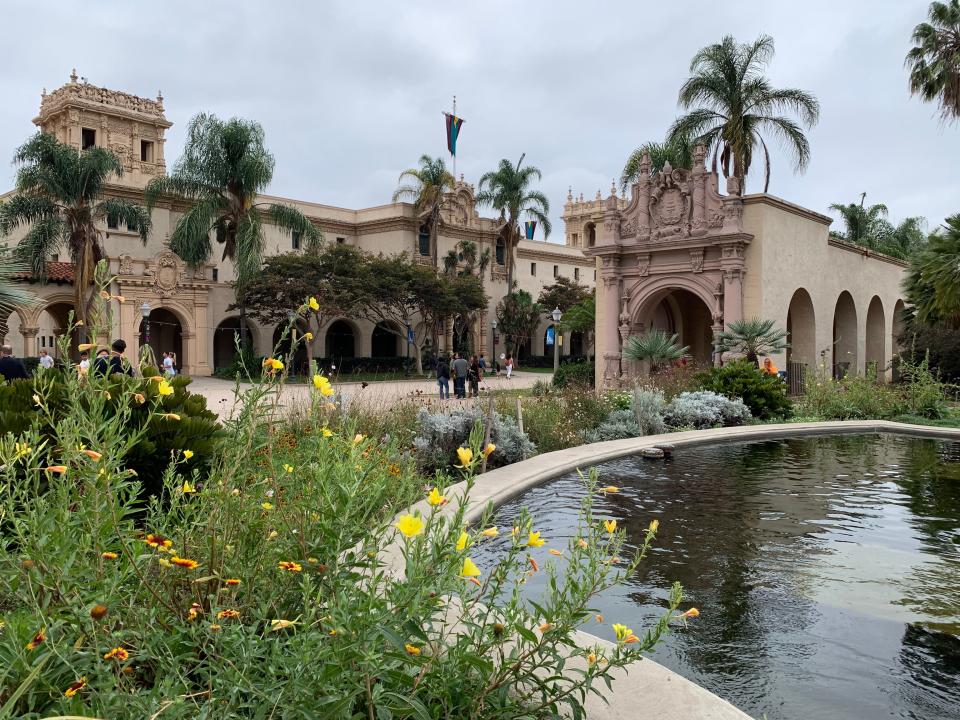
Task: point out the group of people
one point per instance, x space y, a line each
466 374
106 362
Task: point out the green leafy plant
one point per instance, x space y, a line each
753 337
764 394
933 60
578 374
657 347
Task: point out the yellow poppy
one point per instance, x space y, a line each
326 432
465 455
462 541
322 385
654 524
187 488
410 525
534 540
435 498
488 450
266 505
469 569
412 649
610 489
187 454
610 525
691 613
164 388
490 532
314 305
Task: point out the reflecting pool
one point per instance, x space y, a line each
826 569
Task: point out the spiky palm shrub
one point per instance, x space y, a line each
934 61
734 106
12 296
509 190
933 281
657 347
60 198
224 166
753 338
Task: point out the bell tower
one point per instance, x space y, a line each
132 127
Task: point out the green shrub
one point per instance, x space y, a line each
647 406
764 394
275 597
676 379
580 374
620 424
158 428
560 419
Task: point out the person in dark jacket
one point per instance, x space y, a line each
115 363
476 373
460 370
12 368
443 378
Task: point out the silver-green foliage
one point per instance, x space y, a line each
705 409
440 434
620 424
648 405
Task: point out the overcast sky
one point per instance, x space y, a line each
350 93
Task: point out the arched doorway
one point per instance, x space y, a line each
164 333
226 338
844 336
682 312
590 235
299 364
876 337
341 341
384 343
576 343
896 341
802 339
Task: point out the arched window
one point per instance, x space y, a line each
591 235
423 240
501 251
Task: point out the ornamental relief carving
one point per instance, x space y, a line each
167 274
696 260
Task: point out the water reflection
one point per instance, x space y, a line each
827 569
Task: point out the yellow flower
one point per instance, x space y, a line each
435 498
214 627
187 488
654 524
158 541
184 562
546 627
272 364
109 555
610 489
412 649
308 336
622 631
610 525
326 432
591 658
118 653
462 541
266 505
21 450
38 639
171 416
410 525
358 438
83 347
465 455
488 450
288 468
164 563
289 566
583 543
534 540
691 613
75 687
234 614
37 401
322 384
164 388
314 305
276 625
469 569
195 610
490 532
187 454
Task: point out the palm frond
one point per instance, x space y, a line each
123 212
289 220
656 347
190 239
45 237
12 294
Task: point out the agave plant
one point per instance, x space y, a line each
752 338
656 347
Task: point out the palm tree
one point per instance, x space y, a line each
934 61
431 190
904 239
656 347
582 318
466 252
753 338
737 106
12 296
677 151
223 168
60 196
933 280
507 189
861 222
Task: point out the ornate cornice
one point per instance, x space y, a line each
101 100
866 252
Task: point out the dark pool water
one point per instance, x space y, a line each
827 570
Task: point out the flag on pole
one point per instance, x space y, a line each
531 227
453 132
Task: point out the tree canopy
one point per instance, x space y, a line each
868 225
564 294
933 280
934 60
518 318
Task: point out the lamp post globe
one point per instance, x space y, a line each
556 315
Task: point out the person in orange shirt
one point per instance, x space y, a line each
769 367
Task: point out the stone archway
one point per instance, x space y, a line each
384 341
682 312
226 337
876 338
896 339
341 341
163 332
801 339
845 336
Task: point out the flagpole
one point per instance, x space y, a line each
454 154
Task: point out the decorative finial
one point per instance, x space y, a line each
613 187
44 93
73 76
699 154
599 194
570 193
581 197
160 96
461 177
645 164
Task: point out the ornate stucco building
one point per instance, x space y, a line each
681 256
189 306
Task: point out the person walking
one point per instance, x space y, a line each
115 362
168 369
46 362
461 369
509 365
11 368
443 378
476 373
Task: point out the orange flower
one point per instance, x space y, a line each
691 613
289 565
232 614
92 454
533 563
158 541
184 562
194 611
546 627
38 639
58 469
591 658
232 582
599 618
109 555
139 398
553 551
98 611
75 688
118 654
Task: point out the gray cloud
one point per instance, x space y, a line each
351 93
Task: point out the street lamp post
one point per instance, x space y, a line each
145 311
556 315
493 341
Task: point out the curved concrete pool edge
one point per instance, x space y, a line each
645 687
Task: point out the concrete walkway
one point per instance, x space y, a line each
220 393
